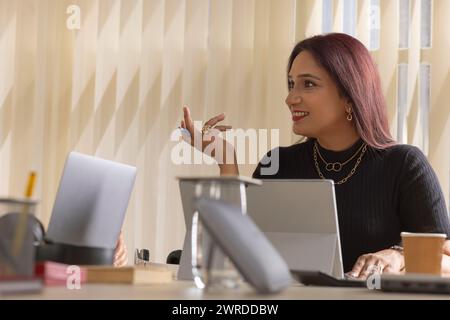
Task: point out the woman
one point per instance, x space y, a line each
382 188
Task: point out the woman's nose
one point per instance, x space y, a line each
293 98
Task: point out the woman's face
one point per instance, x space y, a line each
317 108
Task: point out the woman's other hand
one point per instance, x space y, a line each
120 252
384 261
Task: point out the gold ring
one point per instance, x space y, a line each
205 129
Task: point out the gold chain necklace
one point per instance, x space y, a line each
335 166
358 161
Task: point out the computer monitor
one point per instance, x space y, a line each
298 216
91 202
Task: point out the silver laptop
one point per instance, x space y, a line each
299 217
91 202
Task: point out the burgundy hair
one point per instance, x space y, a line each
351 67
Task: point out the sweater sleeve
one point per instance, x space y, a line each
421 200
269 166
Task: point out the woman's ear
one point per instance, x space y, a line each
348 101
348 104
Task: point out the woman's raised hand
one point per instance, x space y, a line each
222 151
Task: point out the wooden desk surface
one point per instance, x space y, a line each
181 290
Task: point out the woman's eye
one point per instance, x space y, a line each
290 85
309 84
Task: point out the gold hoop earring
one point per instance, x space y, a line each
349 115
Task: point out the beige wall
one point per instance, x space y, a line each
115 87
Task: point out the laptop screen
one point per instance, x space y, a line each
298 216
91 202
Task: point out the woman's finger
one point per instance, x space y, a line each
119 250
119 241
223 127
390 269
372 265
189 124
359 265
121 256
212 122
121 260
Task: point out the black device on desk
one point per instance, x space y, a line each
415 283
318 278
70 254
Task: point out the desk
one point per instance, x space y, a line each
181 290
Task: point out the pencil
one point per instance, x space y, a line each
22 221
30 186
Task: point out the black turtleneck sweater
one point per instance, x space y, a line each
392 190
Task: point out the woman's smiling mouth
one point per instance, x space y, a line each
298 115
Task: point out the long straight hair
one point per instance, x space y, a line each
351 67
